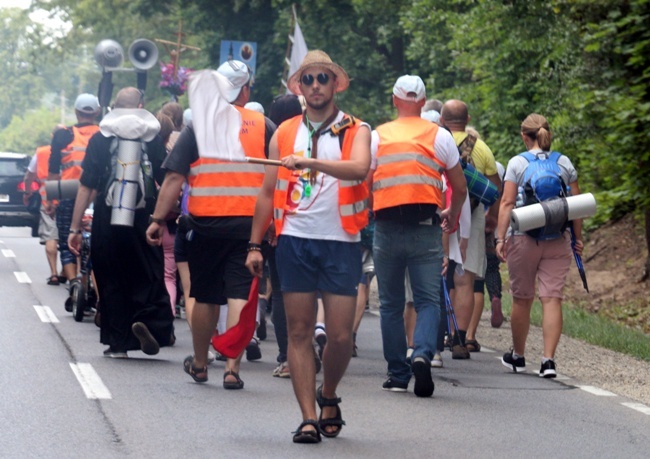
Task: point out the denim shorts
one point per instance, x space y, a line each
308 265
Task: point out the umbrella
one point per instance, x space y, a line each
578 258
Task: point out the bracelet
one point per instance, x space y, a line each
499 241
252 247
73 231
159 221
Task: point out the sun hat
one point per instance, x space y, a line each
255 106
86 103
431 115
318 58
409 84
237 74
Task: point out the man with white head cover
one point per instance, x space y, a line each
410 155
221 202
135 312
319 201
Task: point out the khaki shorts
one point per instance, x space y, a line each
47 230
475 261
548 261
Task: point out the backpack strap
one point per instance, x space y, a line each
466 147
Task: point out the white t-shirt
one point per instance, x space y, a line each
317 215
32 165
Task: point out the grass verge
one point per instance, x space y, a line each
594 329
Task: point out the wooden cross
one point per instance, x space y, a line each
179 47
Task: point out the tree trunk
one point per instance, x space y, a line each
646 270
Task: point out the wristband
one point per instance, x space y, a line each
160 221
252 247
499 241
73 231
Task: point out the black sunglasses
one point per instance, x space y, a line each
308 79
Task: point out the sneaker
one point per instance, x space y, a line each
220 357
321 341
548 370
517 365
261 329
148 343
282 370
497 314
253 351
459 352
394 386
437 360
318 364
409 353
114 354
423 383
211 357
355 350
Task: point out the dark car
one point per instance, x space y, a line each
13 212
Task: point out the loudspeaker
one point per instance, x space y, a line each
143 54
109 53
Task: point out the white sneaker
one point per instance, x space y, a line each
211 357
436 362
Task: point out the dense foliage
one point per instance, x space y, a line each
582 64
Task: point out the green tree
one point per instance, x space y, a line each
27 132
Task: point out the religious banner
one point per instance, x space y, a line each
245 51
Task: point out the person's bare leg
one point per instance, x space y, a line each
551 325
300 310
204 317
464 298
520 323
70 271
52 253
410 317
339 320
362 297
235 307
479 301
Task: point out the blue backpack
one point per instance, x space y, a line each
543 184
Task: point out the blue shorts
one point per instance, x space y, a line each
308 265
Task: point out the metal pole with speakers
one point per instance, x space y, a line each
143 54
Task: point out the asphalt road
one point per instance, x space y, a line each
147 407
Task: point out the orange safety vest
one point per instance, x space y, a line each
408 171
73 154
353 194
229 189
42 164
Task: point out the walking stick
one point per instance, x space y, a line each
450 310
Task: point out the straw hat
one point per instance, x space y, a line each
321 59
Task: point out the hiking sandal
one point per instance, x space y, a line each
307 436
336 421
199 375
237 384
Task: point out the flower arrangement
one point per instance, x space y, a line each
175 86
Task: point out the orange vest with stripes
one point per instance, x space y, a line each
353 194
73 154
42 164
408 171
229 189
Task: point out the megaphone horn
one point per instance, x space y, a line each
109 53
143 54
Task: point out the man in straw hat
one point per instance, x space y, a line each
319 201
221 204
411 156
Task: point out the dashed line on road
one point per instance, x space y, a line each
597 391
90 381
487 350
638 406
8 253
22 277
46 315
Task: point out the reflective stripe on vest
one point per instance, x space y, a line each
229 189
408 171
72 156
353 194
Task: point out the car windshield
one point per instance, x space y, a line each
10 168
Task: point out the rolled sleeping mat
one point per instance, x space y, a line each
125 191
551 212
61 189
479 186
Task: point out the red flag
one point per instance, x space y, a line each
237 337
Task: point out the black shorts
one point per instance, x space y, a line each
217 268
180 243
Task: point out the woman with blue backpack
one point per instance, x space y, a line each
544 254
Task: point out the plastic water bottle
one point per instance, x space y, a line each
520 197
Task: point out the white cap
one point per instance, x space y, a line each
237 74
187 116
86 103
409 84
255 106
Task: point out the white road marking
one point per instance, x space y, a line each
639 407
597 391
8 253
90 381
46 315
487 349
22 277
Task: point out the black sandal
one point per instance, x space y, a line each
307 436
336 421
53 280
238 384
194 372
